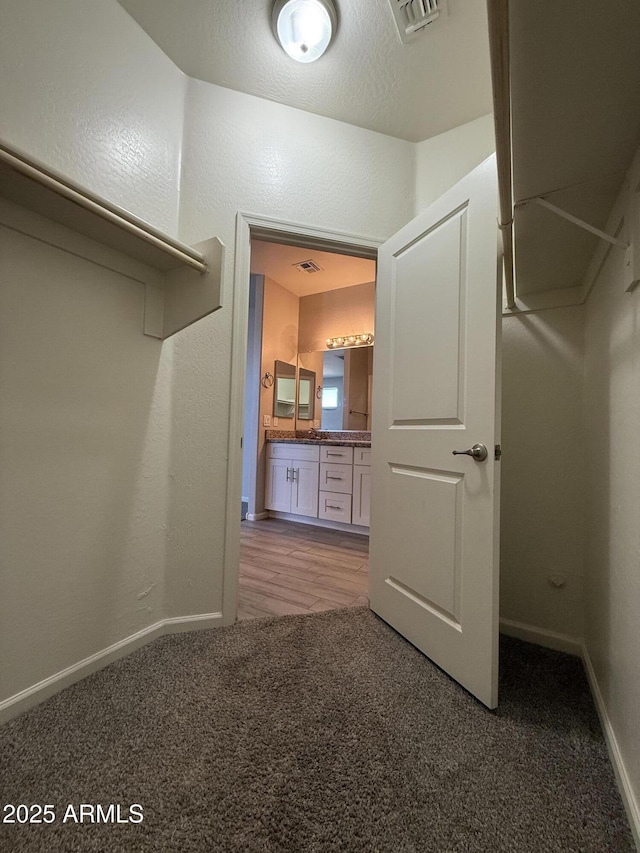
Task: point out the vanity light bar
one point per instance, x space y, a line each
350 341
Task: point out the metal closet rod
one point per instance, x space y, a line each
498 15
65 187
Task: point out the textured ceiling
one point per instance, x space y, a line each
367 77
276 261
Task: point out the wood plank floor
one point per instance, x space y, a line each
288 568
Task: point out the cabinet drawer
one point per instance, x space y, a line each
335 507
336 478
336 454
362 456
299 452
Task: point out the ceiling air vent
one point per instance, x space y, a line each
307 266
412 16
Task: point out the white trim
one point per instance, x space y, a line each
542 637
631 804
257 516
357 529
56 189
528 303
201 622
248 225
48 687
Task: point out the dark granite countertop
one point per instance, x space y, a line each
342 439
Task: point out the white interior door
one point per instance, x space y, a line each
434 516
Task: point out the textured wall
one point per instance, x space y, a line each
347 311
242 153
84 396
87 92
444 159
279 342
542 501
612 416
84 422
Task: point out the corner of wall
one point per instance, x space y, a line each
443 160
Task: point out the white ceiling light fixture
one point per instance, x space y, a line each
304 28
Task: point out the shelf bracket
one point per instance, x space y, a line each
579 222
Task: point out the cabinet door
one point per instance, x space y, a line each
304 489
278 488
361 495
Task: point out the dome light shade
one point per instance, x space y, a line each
304 28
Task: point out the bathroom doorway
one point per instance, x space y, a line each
304 304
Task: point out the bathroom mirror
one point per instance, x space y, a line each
306 394
347 375
284 397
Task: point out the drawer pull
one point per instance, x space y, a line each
329 477
332 506
334 454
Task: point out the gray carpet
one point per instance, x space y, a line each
315 733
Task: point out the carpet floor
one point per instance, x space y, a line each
325 732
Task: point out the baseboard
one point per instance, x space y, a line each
629 800
319 522
542 637
257 516
192 623
48 687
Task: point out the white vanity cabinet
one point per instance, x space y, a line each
327 482
292 478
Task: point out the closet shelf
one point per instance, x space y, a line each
188 285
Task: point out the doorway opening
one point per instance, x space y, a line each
299 293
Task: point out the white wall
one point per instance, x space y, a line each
86 91
84 396
84 422
444 159
612 417
243 153
542 499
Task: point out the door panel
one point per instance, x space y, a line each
431 571
434 551
421 397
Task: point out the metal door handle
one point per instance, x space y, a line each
478 451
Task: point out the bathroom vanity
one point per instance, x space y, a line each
323 480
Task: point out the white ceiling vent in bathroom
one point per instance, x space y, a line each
413 16
307 266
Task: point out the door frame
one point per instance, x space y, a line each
255 226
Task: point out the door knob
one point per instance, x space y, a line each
478 451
